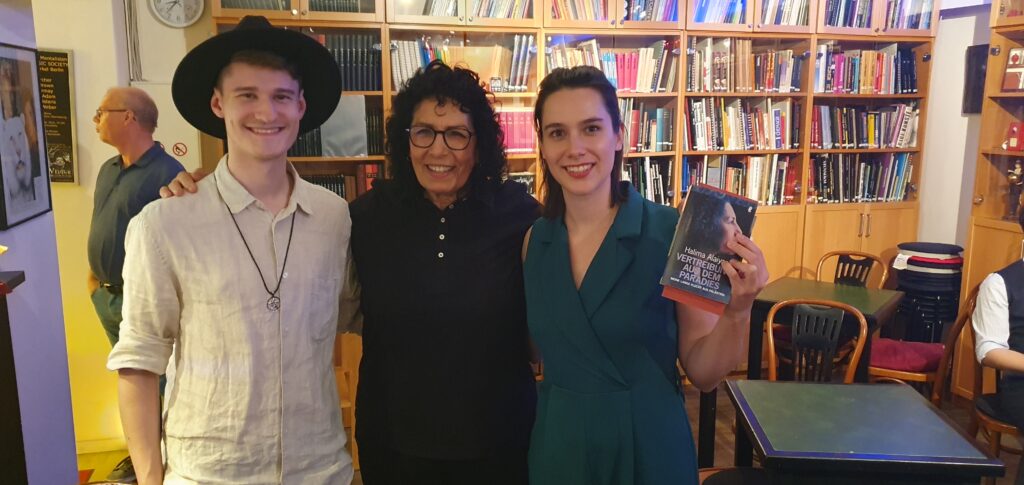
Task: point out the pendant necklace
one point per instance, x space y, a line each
274 301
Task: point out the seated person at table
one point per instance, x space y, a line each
999 325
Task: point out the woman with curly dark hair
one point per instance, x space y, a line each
446 393
610 409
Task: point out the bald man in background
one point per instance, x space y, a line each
126 119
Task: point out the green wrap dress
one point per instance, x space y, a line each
610 410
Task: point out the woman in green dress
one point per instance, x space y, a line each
610 409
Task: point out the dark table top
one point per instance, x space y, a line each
869 301
873 427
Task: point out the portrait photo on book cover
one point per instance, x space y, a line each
711 219
24 178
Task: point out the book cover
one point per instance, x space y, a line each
711 217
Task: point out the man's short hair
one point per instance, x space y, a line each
143 106
264 59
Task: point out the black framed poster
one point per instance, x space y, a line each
57 94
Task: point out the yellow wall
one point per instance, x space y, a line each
89 30
94 31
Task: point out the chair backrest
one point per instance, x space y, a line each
963 321
853 268
815 338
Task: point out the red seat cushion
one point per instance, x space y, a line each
892 354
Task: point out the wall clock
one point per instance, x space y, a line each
176 13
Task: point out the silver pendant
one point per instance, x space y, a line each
273 303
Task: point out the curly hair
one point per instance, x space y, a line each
576 78
462 88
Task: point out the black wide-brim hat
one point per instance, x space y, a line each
198 71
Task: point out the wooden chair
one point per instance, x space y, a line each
853 268
815 338
896 360
986 415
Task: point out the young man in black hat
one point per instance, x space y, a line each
998 321
236 291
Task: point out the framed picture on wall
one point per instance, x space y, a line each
24 176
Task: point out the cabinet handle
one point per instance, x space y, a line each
295 12
867 233
460 19
305 12
860 226
978 199
471 19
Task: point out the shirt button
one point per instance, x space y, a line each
440 255
442 220
451 206
441 237
285 275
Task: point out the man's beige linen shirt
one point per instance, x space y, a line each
251 395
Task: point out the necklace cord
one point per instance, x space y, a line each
287 250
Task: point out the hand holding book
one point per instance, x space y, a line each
747 277
710 242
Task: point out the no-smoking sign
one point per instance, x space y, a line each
179 149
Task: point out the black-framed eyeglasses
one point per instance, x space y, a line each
100 111
454 138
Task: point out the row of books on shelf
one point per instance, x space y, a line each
720 11
652 10
648 128
354 129
848 13
579 10
334 182
769 179
909 14
742 124
641 70
359 60
440 8
335 6
858 177
517 126
347 186
502 9
256 4
652 177
785 12
889 70
893 126
504 69
731 65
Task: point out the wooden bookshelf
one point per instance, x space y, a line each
787 232
993 240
